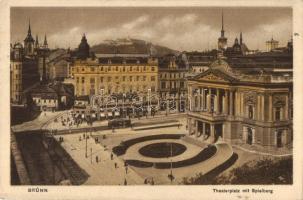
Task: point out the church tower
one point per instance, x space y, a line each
45 45
222 41
37 42
83 49
29 42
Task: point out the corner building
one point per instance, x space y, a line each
229 105
115 75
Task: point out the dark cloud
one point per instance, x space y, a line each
186 28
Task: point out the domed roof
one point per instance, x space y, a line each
18 45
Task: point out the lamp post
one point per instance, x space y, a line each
123 99
170 175
148 100
85 144
91 155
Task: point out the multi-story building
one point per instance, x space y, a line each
115 75
240 106
172 80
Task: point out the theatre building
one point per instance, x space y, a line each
241 108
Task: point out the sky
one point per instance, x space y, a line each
179 28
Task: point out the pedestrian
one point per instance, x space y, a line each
80 138
111 156
97 159
84 135
126 168
115 165
125 182
145 181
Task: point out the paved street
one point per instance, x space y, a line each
103 172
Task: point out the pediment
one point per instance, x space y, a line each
214 76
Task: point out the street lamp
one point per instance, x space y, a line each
85 144
171 176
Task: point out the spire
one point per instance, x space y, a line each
29 32
222 22
37 41
45 41
222 28
241 38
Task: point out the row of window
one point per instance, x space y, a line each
44 100
171 85
116 89
172 75
124 78
118 68
277 113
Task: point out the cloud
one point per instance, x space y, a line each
185 31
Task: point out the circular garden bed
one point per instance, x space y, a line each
162 149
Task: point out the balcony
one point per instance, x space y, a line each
211 116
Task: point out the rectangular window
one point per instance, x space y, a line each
153 68
101 79
144 78
138 78
181 84
123 78
152 78
77 79
83 79
278 113
163 85
109 79
92 80
130 78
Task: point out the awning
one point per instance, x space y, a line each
94 115
82 116
102 115
110 114
117 113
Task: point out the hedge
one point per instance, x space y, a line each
121 149
203 155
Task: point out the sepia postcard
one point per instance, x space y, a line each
151 100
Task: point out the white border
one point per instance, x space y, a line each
147 192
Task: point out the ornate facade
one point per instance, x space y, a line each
240 108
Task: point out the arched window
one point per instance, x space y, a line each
250 112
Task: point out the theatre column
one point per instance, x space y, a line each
218 101
203 134
270 110
208 101
286 108
212 131
231 103
225 102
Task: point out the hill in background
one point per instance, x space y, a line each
131 46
